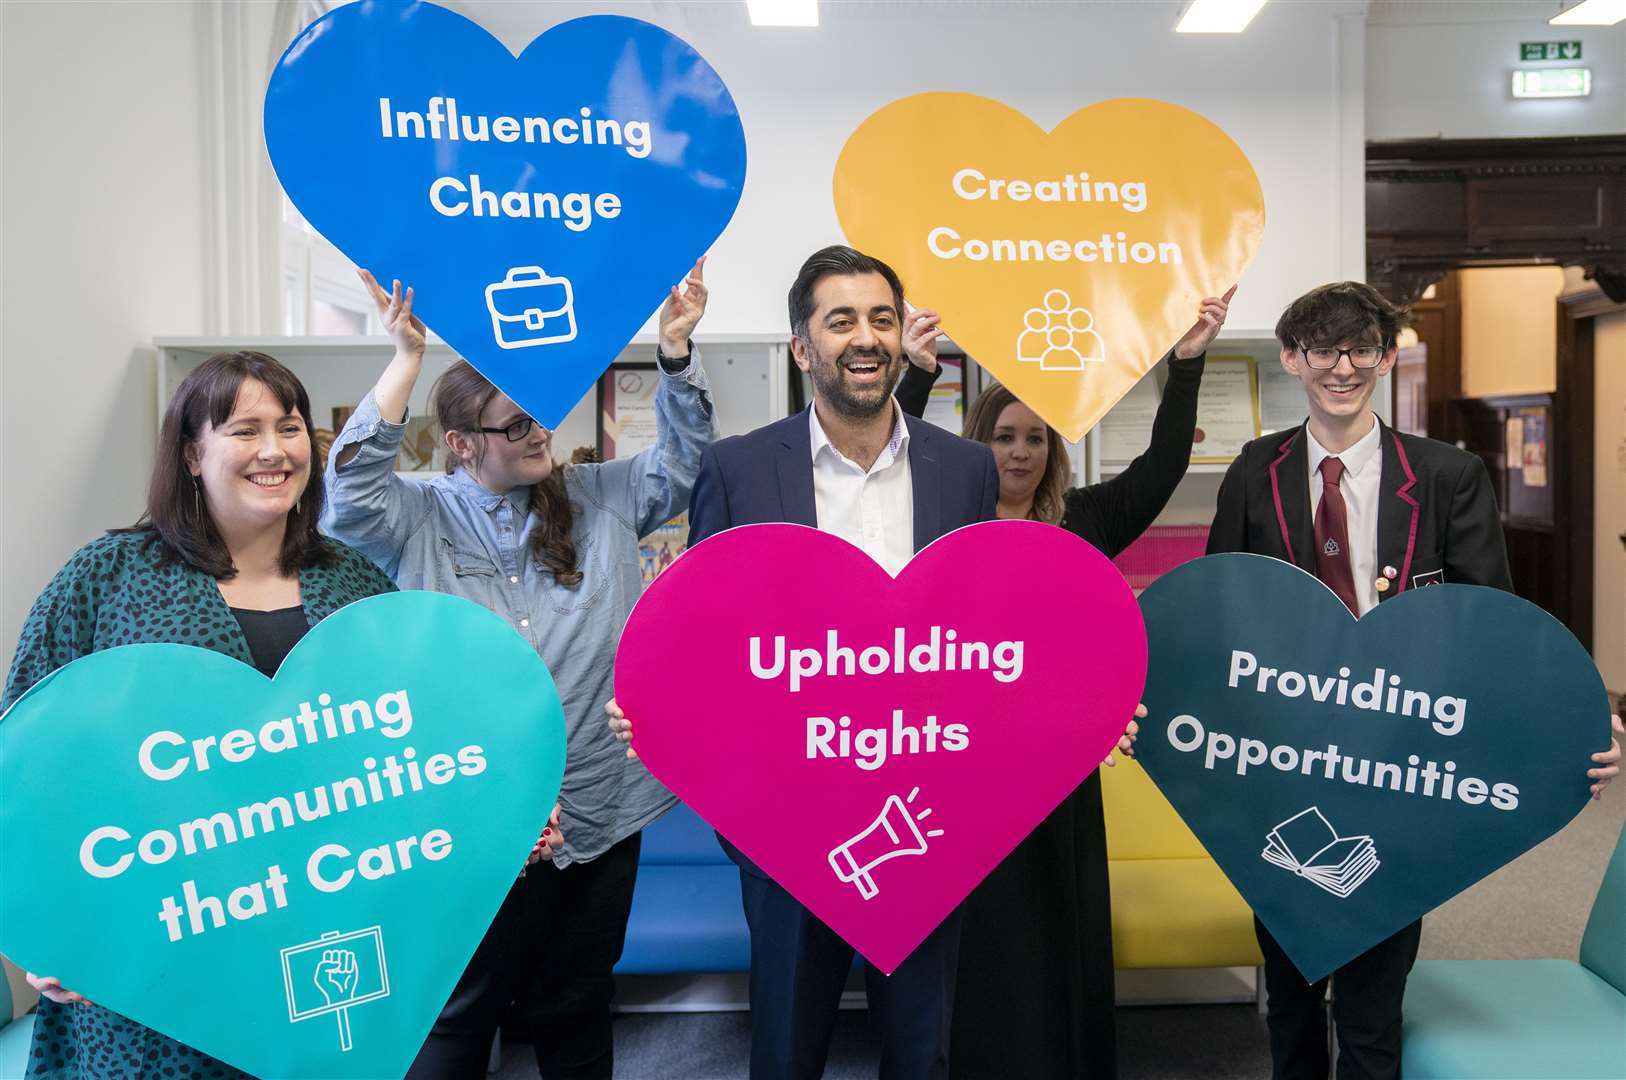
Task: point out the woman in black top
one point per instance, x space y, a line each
1034 996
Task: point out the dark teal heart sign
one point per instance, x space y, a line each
287 874
1350 776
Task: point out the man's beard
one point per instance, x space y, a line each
834 390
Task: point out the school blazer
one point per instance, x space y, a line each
1437 515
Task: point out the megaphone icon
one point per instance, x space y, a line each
892 833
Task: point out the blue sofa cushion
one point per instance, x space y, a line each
680 838
14 1043
686 918
1511 1020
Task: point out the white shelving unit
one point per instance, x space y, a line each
748 375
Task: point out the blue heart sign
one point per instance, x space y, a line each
1350 776
541 206
316 855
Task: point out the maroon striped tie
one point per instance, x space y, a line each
1332 536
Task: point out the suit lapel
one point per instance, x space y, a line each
795 463
1290 494
1398 510
925 475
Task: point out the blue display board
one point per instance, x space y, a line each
540 206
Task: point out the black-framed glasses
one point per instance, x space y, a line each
1325 358
515 431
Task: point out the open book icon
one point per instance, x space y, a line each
1307 845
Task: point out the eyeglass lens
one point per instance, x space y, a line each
1361 356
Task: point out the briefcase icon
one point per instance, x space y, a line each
528 307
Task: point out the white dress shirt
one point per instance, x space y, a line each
874 510
1363 473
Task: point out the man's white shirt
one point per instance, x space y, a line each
1363 474
874 509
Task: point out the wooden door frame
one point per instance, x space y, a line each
1573 475
1438 205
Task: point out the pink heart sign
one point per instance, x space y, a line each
877 746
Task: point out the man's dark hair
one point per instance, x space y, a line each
837 259
1344 312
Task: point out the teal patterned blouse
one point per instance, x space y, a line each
114 592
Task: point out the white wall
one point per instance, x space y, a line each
1287 91
1445 68
104 184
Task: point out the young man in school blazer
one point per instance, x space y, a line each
854 465
1372 512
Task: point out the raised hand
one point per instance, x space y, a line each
920 334
682 311
1210 317
336 975
395 312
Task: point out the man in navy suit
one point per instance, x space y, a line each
854 465
1372 512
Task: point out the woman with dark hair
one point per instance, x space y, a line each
227 557
554 550
1036 941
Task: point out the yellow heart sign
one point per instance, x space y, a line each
1067 262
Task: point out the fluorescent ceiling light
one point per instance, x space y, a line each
1591 13
1220 16
783 12
1552 82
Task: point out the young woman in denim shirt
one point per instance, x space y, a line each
554 550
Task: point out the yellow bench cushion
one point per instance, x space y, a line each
1140 822
1171 905
1178 913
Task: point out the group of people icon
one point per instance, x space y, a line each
1059 336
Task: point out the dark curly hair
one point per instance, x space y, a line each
1345 311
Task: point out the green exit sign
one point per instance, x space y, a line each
1530 51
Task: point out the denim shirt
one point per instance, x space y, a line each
452 535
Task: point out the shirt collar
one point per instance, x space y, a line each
896 446
483 497
1355 458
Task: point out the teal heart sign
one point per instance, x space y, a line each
312 857
1351 776
540 205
